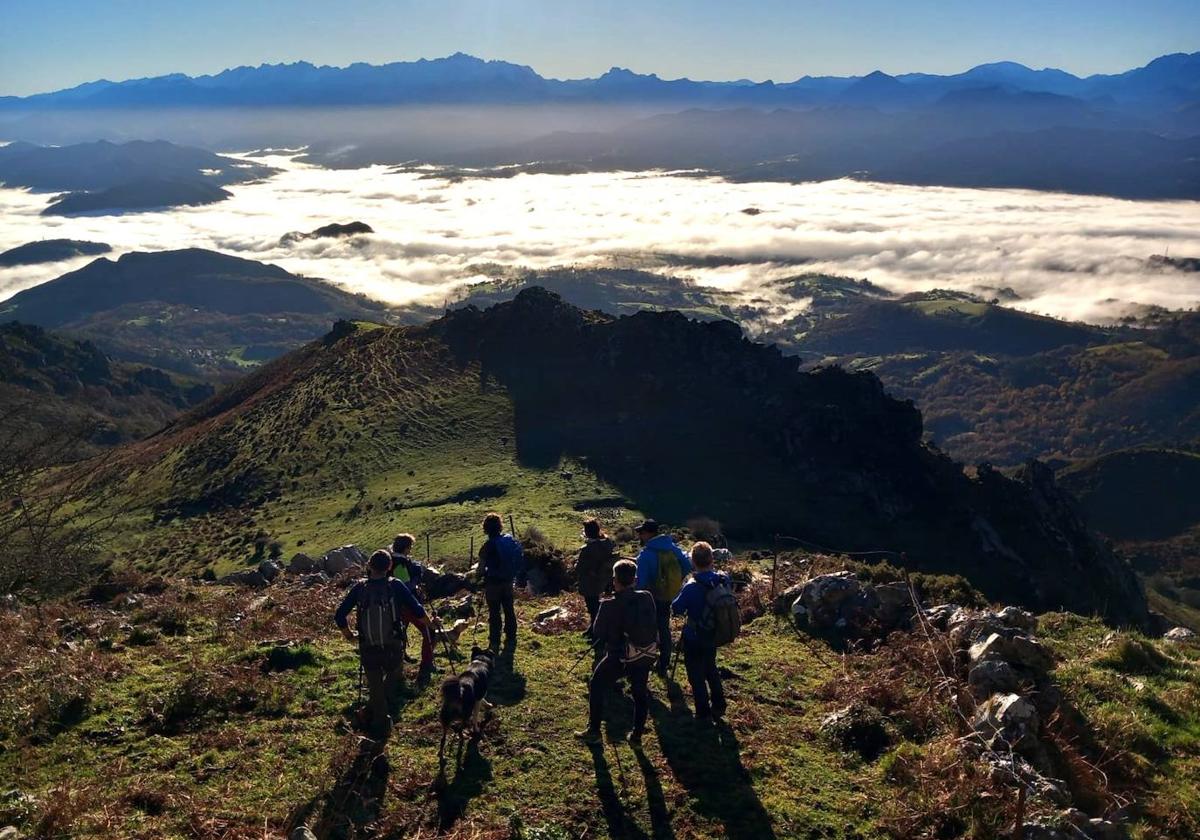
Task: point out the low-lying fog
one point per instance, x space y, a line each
1071 256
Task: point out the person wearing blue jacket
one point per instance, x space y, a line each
654 546
409 572
500 560
379 600
700 654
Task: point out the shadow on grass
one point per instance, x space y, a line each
356 799
469 778
656 801
706 760
616 818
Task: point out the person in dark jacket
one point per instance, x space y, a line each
593 568
626 630
700 654
500 560
654 546
409 572
379 601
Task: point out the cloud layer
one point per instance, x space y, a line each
1071 256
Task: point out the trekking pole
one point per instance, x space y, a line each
427 548
445 644
358 703
581 657
511 525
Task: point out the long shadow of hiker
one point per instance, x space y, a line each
707 762
656 802
356 799
615 817
469 779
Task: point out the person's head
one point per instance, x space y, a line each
624 574
591 530
646 531
493 525
702 556
403 544
380 563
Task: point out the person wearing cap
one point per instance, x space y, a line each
378 601
661 581
409 572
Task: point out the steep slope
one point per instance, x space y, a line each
535 398
56 381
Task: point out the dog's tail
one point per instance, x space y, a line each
451 699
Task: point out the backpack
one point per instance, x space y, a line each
669 578
641 629
376 614
509 556
721 620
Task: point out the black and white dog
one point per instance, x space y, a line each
464 700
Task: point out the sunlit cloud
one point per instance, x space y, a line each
1072 256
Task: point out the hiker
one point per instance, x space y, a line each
500 560
409 572
713 620
379 601
593 568
661 568
626 629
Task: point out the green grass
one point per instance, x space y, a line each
279 762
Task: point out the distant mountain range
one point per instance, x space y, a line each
1168 81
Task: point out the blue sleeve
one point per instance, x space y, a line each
407 600
343 611
645 573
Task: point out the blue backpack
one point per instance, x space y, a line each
509 561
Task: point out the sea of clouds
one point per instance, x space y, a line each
1080 257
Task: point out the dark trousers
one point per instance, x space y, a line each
701 663
499 596
383 669
593 605
608 670
665 644
424 631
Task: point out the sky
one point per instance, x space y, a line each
1079 257
51 44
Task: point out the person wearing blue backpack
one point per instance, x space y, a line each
713 620
500 560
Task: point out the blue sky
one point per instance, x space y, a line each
50 44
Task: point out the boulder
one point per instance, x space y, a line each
302 832
355 554
303 564
249 577
786 600
9 832
1180 635
1101 829
1007 720
722 556
1015 649
992 676
439 584
314 579
895 604
823 595
336 561
552 613
1018 618
939 615
270 570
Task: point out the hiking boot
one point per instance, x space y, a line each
590 736
423 677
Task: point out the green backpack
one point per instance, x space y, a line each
669 579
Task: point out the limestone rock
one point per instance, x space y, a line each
1180 635
992 676
1007 720
1018 618
269 569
